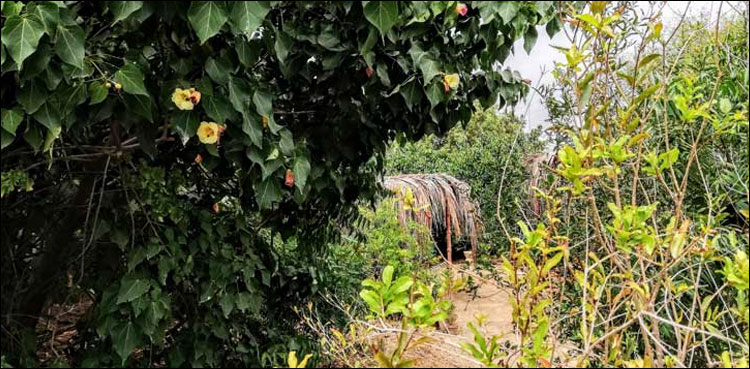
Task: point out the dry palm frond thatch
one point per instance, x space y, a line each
440 202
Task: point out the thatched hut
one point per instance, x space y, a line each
443 204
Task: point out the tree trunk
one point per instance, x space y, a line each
57 251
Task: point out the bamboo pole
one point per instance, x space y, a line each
448 247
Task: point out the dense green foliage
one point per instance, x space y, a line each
175 237
488 152
387 242
724 168
650 194
197 183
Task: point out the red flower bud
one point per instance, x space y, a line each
368 70
289 178
462 9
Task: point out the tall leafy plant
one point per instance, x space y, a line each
170 143
644 139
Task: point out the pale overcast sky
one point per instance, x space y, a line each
541 61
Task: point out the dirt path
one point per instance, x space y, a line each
492 301
445 350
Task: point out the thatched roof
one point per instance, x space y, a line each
439 200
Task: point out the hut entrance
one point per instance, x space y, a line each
444 205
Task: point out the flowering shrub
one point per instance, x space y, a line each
170 144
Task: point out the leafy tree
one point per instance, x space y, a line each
168 143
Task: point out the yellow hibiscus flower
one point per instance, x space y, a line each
186 99
451 81
209 132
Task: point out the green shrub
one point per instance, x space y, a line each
165 203
650 190
387 242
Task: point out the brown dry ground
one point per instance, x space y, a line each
444 350
495 303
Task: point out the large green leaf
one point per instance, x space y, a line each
207 18
383 76
218 108
227 304
286 142
71 72
372 299
33 136
387 275
239 93
401 285
246 16
21 36
38 62
125 339
70 97
529 39
382 14
429 68
301 171
247 52
255 155
270 166
32 96
186 123
123 9
412 93
11 119
155 311
330 40
70 45
49 15
49 116
6 138
487 10
98 92
141 105
267 192
372 38
131 78
507 10
11 8
131 289
551 263
263 102
542 7
218 70
52 76
540 334
553 26
435 94
252 127
282 46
